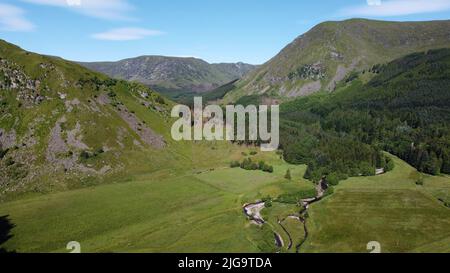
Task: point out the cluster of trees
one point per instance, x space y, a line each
249 165
97 83
404 110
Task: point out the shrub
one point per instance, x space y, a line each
333 179
328 192
84 155
235 164
288 175
9 162
160 100
420 181
267 201
3 153
261 165
367 169
98 151
268 169
390 165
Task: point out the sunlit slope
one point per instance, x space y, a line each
327 54
194 212
390 209
63 127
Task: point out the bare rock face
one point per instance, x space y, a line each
13 78
7 139
147 135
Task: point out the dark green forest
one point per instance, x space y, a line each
404 110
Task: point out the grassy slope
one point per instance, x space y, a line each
190 212
99 128
390 209
360 43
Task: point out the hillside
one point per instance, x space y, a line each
63 126
327 54
177 78
404 110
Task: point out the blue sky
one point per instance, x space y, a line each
252 31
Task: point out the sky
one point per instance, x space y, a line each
251 31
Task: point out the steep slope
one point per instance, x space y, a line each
172 76
404 109
63 126
331 51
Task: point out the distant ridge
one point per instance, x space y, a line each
175 77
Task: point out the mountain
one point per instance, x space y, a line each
173 76
327 54
404 109
63 126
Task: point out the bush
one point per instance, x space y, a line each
3 153
420 181
261 165
235 164
249 165
9 162
288 175
84 155
99 151
267 201
390 165
367 169
253 153
328 192
333 179
268 169
160 100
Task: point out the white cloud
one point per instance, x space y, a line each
126 34
377 8
106 9
12 19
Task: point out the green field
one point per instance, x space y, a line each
194 212
390 209
201 211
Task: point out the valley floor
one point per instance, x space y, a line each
201 211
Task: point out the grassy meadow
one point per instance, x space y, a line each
194 211
391 209
200 210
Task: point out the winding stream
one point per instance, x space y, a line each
253 212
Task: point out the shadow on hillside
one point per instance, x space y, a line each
5 231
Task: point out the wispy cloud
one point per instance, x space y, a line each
389 8
126 34
12 19
105 9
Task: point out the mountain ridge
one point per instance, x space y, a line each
173 76
321 58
